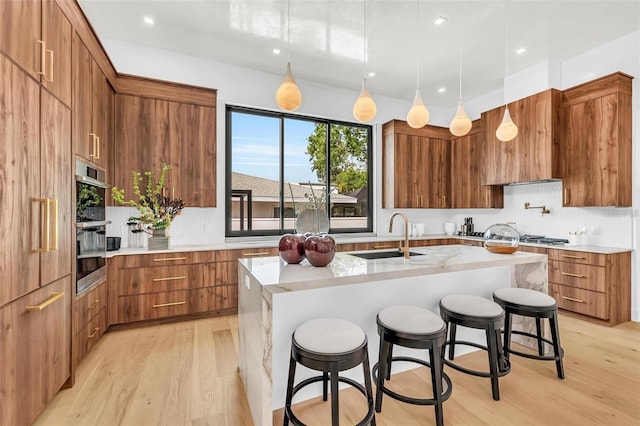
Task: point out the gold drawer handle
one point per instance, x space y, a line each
573 257
155 280
571 299
54 296
94 304
95 333
169 259
382 246
162 305
573 275
256 253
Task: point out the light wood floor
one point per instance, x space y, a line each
186 374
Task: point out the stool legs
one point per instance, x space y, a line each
367 385
539 334
335 407
435 358
493 354
290 383
555 338
507 335
452 339
383 365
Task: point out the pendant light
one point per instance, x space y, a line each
365 108
461 123
418 115
288 96
507 130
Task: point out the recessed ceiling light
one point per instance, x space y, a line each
440 20
442 90
521 51
276 51
372 74
148 20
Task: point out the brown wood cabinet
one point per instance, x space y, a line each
34 351
160 122
227 266
596 144
592 284
93 107
467 156
382 245
89 320
534 154
416 166
37 36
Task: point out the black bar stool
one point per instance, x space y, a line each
479 313
535 304
418 328
329 345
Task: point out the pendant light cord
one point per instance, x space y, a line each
364 44
506 50
418 62
288 32
460 48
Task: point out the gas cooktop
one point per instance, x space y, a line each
540 239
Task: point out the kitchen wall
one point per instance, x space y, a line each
605 226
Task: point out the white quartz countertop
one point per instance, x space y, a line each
248 244
277 276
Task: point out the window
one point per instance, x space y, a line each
279 165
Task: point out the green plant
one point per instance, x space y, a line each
156 210
87 197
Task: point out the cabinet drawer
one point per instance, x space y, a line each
160 278
529 249
89 305
89 335
578 257
469 243
577 275
226 255
166 259
174 303
581 301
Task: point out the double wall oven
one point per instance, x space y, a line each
91 224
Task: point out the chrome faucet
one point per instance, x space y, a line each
404 249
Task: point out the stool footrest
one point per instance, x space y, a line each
501 371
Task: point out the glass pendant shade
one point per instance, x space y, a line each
418 115
461 123
365 108
288 96
507 130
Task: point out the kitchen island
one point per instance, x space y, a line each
274 298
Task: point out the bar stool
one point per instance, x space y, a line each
417 328
479 313
538 305
329 345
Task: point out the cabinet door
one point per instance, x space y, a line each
434 164
405 182
34 351
56 32
20 226
56 187
101 107
20 30
83 136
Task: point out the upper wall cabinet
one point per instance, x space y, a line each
467 156
93 100
415 166
596 143
533 154
37 36
160 122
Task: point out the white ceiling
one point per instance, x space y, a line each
327 37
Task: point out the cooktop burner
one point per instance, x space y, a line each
540 239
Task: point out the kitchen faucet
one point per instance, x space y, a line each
402 249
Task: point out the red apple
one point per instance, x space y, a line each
320 249
292 248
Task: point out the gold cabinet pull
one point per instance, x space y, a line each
444 201
168 259
572 275
382 246
566 196
93 145
95 333
43 48
255 253
422 201
54 296
573 257
44 224
155 280
94 304
50 79
162 305
54 217
571 299
97 157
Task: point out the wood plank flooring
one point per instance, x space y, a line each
186 374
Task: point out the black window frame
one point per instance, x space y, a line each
230 109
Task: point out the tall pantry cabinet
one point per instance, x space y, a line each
35 198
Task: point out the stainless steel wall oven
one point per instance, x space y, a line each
91 223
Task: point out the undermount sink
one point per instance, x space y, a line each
383 254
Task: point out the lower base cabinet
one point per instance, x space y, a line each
34 351
89 320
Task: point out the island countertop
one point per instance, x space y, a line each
278 277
